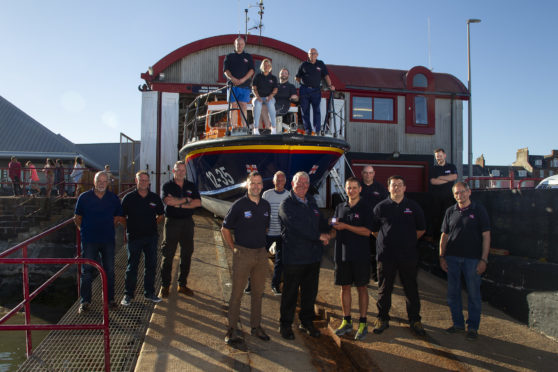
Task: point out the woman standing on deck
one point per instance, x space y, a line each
33 178
77 174
49 174
264 88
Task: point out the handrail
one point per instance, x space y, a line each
510 178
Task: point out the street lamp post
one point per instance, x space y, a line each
470 127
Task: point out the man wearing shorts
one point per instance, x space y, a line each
239 69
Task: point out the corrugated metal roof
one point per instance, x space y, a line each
22 133
381 78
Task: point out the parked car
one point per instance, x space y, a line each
548 183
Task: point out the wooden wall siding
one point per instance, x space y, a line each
202 67
387 138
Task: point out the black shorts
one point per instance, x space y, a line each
352 272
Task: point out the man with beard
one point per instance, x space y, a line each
442 177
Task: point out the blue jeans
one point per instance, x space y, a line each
467 266
258 110
92 251
310 96
147 245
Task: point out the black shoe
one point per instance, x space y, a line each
309 329
259 333
287 333
472 335
454 329
232 337
380 326
276 291
248 290
418 329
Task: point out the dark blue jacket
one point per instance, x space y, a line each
301 226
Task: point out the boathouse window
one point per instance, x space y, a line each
420 102
373 109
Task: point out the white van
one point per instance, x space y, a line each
548 183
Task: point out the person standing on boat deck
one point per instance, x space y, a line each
239 68
442 177
372 193
309 75
351 224
464 248
398 223
286 93
181 197
248 217
14 172
264 87
143 210
304 231
97 211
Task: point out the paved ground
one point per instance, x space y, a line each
187 333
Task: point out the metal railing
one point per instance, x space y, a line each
514 183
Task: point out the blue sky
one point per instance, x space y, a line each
75 66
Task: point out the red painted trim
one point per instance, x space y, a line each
410 125
420 70
370 95
423 164
210 42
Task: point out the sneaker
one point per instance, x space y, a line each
256 131
232 337
248 290
344 328
362 331
259 333
309 329
380 326
152 298
273 130
83 307
185 290
164 292
454 329
286 333
126 300
276 291
418 329
472 335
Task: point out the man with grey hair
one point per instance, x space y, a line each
181 197
97 211
304 232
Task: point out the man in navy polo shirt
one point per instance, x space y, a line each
239 68
143 210
351 224
96 213
442 177
248 217
464 247
304 231
181 197
286 93
398 224
372 193
310 74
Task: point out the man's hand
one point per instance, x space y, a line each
324 238
339 226
481 267
443 264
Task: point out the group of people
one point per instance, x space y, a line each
385 221
270 95
55 177
99 210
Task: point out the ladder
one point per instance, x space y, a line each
338 183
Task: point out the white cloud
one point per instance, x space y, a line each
110 119
72 101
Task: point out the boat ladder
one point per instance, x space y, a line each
338 183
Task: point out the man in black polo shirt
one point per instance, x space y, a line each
398 223
249 218
351 224
442 177
143 210
310 75
286 93
239 68
181 197
464 247
372 193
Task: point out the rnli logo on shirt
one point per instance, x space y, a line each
152 205
472 216
318 68
266 214
408 211
245 60
448 171
376 193
356 216
270 81
316 212
247 214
